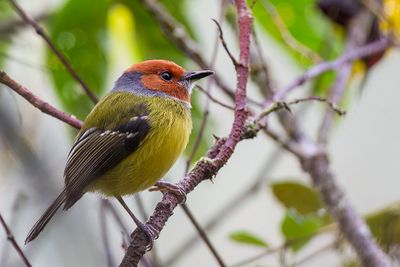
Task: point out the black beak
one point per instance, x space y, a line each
196 75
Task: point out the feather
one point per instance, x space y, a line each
96 151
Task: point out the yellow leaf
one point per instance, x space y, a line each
392 15
124 50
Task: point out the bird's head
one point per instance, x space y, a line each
160 78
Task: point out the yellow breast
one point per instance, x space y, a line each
170 127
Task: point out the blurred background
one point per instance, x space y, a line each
269 195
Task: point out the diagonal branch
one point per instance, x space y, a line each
39 30
360 52
11 238
356 37
38 103
12 26
213 99
222 39
217 156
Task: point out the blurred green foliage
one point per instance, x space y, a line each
78 30
298 229
303 215
307 26
385 226
304 22
247 238
294 195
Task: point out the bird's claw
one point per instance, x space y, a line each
175 189
151 234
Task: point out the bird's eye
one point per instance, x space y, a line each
167 76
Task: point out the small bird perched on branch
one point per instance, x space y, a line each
131 138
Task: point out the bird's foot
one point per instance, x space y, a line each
150 232
175 189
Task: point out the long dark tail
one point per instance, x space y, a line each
47 215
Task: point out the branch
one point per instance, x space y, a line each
276 106
14 25
363 51
203 235
104 233
260 71
39 30
217 156
38 103
358 32
11 238
221 38
213 99
288 243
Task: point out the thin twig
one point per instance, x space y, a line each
265 84
38 103
276 106
369 49
203 235
221 38
117 217
315 253
104 233
13 25
356 37
213 99
287 244
11 238
288 145
39 30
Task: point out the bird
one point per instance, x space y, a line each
131 138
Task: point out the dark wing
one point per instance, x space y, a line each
96 151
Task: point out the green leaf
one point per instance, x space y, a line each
294 195
244 237
385 226
298 229
78 30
